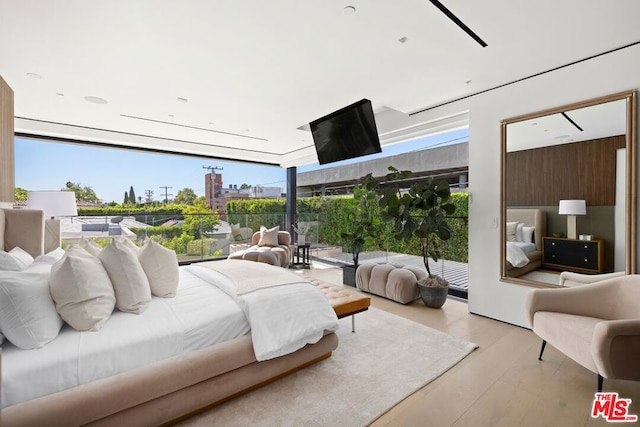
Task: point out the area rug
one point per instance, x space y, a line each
372 370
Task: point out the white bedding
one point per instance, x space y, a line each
517 253
200 315
303 311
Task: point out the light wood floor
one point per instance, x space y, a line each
502 383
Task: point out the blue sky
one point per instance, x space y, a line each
110 172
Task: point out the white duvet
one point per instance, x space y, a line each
517 253
283 318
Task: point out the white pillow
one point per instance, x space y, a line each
28 317
527 234
90 246
519 227
50 257
128 243
15 260
130 283
269 237
511 231
81 290
160 264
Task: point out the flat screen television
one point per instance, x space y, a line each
347 133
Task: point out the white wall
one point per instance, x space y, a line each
612 73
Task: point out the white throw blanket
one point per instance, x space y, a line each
283 318
249 276
516 256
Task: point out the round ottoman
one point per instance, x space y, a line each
396 282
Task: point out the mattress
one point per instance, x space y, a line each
199 316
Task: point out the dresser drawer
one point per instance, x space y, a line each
571 254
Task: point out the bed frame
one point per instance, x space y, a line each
530 217
158 393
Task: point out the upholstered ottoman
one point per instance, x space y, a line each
266 257
344 301
396 282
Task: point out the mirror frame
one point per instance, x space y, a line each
630 182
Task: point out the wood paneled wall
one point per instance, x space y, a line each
7 156
582 170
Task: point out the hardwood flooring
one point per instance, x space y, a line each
502 383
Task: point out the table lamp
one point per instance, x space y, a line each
571 208
53 204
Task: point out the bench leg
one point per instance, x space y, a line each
353 323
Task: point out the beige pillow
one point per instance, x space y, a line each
130 284
128 243
81 290
269 237
160 264
511 231
91 246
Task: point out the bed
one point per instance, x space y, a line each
174 359
525 254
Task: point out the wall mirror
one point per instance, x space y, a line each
568 197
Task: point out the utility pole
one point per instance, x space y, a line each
213 168
149 195
166 194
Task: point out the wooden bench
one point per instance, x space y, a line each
344 301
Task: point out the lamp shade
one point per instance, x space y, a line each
572 207
53 203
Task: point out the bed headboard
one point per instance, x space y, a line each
530 217
23 228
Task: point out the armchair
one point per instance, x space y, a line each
570 279
271 253
596 325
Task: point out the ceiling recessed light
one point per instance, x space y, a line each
34 75
182 99
403 40
95 100
349 10
211 123
171 115
59 93
468 82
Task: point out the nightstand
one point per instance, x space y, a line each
584 256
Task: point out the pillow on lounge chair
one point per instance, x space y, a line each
269 237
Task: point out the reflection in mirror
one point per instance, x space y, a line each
554 163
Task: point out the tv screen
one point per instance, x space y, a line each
347 133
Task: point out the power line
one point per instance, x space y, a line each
166 194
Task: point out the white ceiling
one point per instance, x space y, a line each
254 72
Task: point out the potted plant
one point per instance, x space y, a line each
301 229
421 211
361 225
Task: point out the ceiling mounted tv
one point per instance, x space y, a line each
347 133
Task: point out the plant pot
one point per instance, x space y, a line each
433 296
349 275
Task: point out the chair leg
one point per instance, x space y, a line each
600 380
544 343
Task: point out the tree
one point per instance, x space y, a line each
199 219
245 186
186 196
132 196
126 198
83 194
20 194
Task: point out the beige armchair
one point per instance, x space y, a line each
278 255
596 325
570 279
